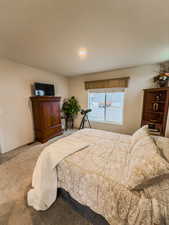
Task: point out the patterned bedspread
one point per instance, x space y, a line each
95 178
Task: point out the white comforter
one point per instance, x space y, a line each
44 181
94 177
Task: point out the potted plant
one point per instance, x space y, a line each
70 109
162 79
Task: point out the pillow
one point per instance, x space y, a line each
163 145
145 164
142 132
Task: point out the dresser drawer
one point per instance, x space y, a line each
52 131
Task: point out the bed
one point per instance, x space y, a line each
94 181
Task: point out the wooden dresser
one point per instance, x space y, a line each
47 119
155 110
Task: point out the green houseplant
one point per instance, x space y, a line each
70 109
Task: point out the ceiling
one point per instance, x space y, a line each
116 33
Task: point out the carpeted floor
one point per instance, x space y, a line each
16 169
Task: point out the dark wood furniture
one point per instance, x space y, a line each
47 119
155 109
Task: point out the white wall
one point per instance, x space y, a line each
16 125
140 77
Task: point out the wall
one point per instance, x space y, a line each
16 125
140 77
164 67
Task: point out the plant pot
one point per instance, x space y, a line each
69 123
163 83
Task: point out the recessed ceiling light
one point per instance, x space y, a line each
82 52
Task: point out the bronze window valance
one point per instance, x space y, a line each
108 83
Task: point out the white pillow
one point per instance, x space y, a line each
144 162
163 145
142 132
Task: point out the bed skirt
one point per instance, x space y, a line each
85 211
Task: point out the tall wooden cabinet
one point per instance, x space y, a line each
47 119
155 109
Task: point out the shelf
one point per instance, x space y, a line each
160 102
155 134
154 112
156 98
148 121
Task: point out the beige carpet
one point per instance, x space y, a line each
16 170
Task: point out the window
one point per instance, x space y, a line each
106 105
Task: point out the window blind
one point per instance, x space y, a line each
110 83
106 90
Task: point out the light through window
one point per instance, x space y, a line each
106 106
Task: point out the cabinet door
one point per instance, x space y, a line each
51 111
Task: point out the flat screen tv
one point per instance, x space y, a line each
42 89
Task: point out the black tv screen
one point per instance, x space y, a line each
42 89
